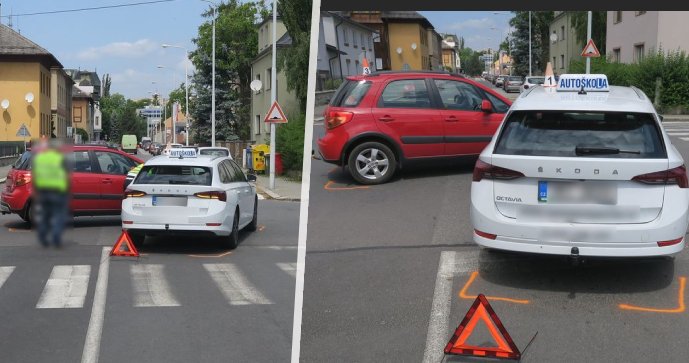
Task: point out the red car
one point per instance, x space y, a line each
375 123
97 185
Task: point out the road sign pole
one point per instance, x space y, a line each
588 36
273 94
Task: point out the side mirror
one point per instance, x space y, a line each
486 106
251 177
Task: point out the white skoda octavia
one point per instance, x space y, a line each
581 171
186 193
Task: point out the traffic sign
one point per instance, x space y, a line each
481 310
590 50
124 241
23 131
275 114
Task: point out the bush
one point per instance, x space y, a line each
331 84
290 143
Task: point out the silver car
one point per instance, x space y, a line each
512 83
530 82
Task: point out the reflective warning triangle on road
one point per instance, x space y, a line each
275 114
124 246
481 310
590 50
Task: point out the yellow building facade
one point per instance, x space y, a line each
402 38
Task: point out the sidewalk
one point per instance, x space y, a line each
284 189
675 117
3 172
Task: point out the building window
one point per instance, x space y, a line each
562 32
554 62
76 112
639 52
617 17
616 55
640 13
376 38
354 40
349 67
345 36
363 41
257 128
356 66
562 61
269 74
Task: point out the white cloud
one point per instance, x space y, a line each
137 49
483 23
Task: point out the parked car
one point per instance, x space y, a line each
512 83
499 80
155 148
97 182
129 144
375 124
217 151
168 147
530 82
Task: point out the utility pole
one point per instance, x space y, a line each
588 36
273 96
529 44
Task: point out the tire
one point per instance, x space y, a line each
232 240
253 226
29 214
138 240
365 170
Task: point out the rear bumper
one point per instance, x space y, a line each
14 202
330 148
610 240
177 229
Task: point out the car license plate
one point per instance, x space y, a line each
168 201
576 192
542 191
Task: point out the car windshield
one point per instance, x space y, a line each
214 152
561 133
350 93
23 162
174 174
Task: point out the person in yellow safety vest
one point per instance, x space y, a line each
131 175
50 180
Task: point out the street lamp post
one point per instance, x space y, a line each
529 44
213 81
273 96
186 86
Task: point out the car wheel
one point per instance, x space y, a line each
372 163
232 240
138 240
254 222
29 214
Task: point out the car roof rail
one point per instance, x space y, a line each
379 73
528 90
639 93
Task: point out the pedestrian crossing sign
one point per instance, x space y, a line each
23 131
275 114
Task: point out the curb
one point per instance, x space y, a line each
272 195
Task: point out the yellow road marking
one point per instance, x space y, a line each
678 309
463 295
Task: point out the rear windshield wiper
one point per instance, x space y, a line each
582 150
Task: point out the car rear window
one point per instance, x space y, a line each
516 79
559 133
214 152
174 174
350 93
537 80
23 162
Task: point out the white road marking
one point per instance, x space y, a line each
151 287
95 329
678 133
440 310
66 287
5 272
289 268
684 138
233 284
276 248
260 196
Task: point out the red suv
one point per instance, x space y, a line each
376 122
97 185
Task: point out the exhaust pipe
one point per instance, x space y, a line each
574 258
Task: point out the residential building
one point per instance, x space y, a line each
451 47
631 35
343 45
86 98
564 46
180 121
261 68
407 39
37 91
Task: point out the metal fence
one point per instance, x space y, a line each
236 148
11 148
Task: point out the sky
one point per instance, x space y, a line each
474 26
123 42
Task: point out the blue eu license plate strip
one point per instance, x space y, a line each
542 191
154 200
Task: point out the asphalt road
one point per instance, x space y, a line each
392 269
183 300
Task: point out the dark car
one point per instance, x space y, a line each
97 181
375 123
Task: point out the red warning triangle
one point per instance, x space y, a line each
275 114
124 246
481 310
590 50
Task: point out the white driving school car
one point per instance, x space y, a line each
186 193
584 169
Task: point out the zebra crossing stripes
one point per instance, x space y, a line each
5 272
289 268
234 285
66 287
151 287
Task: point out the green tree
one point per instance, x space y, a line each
540 51
120 118
236 47
579 21
105 84
294 60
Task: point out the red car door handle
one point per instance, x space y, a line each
107 181
451 119
385 118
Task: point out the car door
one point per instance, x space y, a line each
405 112
467 129
85 186
246 199
112 170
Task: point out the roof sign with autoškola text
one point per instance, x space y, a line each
585 82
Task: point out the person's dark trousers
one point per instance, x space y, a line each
51 216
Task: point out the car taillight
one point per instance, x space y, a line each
485 235
670 242
676 175
221 196
483 170
129 193
22 179
334 119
